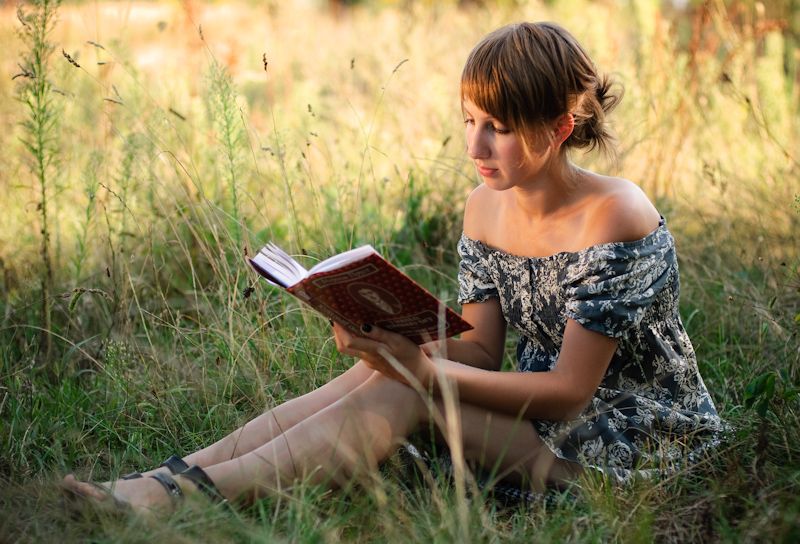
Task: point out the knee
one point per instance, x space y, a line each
443 416
380 390
381 386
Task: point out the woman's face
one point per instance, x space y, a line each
498 153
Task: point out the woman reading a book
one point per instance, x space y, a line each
580 264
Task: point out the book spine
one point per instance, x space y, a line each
300 292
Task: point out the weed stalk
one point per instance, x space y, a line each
40 133
225 115
91 186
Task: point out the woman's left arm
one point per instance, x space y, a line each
559 394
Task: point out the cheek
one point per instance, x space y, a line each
541 143
515 157
539 154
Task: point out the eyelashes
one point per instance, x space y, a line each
489 126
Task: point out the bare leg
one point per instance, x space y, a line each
509 447
348 439
262 429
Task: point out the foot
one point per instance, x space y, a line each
142 495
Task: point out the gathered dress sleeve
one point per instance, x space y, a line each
475 283
610 288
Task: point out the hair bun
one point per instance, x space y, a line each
591 130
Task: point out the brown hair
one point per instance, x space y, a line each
529 74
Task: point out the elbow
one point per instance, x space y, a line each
572 412
487 362
570 397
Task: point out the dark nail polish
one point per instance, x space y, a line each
366 328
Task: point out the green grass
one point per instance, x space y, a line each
171 169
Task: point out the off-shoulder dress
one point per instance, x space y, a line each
651 412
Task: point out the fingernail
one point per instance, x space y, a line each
331 322
366 328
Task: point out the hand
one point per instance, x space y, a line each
391 354
435 349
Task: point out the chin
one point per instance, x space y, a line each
497 184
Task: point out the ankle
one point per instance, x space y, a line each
188 487
203 483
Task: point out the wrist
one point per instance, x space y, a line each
435 377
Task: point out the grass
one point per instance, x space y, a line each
189 135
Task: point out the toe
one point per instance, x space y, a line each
70 483
86 489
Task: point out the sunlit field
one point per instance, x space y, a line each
152 146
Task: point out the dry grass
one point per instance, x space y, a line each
190 133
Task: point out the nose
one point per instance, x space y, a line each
477 147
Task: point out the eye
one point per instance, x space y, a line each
499 130
469 121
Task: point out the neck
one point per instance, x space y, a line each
551 191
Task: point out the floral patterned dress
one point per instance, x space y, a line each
652 411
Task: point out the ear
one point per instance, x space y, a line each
562 129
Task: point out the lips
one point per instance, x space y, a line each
486 172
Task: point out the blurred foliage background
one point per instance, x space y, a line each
149 146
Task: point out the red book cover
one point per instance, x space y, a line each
372 290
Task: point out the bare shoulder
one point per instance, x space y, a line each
622 212
476 218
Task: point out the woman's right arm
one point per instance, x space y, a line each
481 347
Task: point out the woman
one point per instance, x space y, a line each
580 264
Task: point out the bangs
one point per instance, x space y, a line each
483 83
518 75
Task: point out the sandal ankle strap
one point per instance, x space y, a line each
198 477
170 486
175 464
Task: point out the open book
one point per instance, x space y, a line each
359 286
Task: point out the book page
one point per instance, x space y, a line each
342 259
279 264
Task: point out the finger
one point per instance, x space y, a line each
340 331
361 343
434 348
383 336
345 334
342 336
379 365
356 346
357 351
393 364
337 337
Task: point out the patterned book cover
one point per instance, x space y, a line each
372 290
